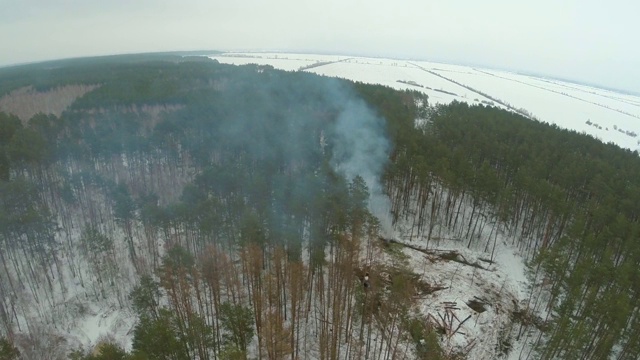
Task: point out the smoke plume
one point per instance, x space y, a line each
361 148
284 109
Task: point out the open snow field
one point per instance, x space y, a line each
604 114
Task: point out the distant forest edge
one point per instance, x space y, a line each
235 163
53 73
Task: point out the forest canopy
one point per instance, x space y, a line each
228 200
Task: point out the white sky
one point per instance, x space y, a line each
590 41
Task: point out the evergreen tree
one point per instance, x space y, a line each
237 320
7 350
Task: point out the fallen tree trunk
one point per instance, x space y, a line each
450 255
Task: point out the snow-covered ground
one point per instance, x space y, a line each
604 114
501 283
78 311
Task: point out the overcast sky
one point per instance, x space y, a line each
590 41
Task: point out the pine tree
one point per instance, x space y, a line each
7 350
237 320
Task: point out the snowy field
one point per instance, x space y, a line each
603 114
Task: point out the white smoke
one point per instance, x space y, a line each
362 148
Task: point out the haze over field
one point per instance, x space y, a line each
590 42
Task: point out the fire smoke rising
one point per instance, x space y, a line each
356 134
361 148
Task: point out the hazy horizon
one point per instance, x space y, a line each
586 42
